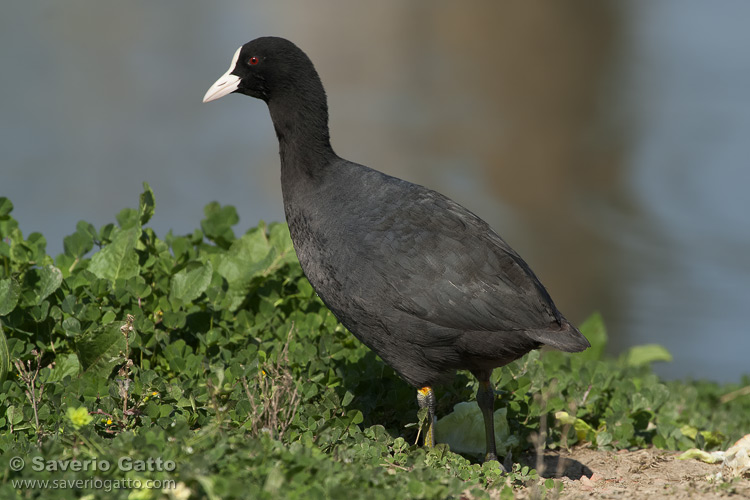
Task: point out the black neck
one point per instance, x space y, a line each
300 119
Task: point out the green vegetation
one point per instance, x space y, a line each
209 360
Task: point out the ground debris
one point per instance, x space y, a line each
649 473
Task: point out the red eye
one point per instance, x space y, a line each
253 61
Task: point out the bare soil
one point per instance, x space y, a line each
650 474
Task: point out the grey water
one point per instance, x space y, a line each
615 159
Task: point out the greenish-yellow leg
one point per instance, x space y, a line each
426 399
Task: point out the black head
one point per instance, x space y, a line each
266 67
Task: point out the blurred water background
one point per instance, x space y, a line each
608 142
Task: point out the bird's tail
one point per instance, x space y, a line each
567 338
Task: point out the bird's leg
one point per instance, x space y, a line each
426 399
486 402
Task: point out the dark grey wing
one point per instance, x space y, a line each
445 265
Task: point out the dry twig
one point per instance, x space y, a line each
276 397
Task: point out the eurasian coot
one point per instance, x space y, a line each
419 279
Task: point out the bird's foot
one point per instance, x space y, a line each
426 400
508 462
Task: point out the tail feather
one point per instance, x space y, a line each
567 338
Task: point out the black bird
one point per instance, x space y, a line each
418 278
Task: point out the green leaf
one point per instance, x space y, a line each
64 365
71 326
603 438
507 493
713 438
217 226
99 351
7 226
10 290
279 237
596 333
246 257
38 245
128 218
249 256
416 488
348 397
118 260
356 417
710 438
84 227
76 245
192 281
6 206
50 279
81 242
15 414
146 204
4 356
138 287
646 354
106 233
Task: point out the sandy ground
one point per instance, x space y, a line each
644 474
